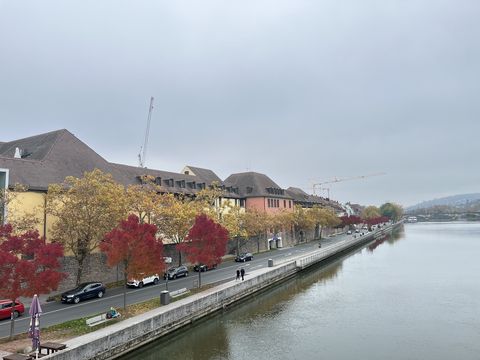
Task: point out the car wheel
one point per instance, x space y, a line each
155 281
76 299
186 274
16 314
244 260
100 294
174 276
140 284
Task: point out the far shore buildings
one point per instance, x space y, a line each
36 162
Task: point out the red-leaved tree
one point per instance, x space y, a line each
350 220
134 245
28 266
206 243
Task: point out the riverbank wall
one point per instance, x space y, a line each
115 340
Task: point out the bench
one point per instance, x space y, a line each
96 320
179 292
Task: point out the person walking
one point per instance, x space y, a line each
238 275
242 272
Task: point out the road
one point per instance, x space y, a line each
57 312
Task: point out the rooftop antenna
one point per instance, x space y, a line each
142 155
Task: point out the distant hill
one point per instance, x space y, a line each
455 201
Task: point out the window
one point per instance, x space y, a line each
242 202
285 204
290 204
158 181
268 200
278 203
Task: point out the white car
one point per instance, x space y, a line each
349 232
153 279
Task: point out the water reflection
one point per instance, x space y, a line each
211 338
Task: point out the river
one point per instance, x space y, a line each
415 295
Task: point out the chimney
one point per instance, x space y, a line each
18 153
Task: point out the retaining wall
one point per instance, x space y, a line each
115 340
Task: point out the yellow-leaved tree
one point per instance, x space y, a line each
86 209
174 218
324 217
303 221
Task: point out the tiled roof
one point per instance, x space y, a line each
205 174
54 156
253 184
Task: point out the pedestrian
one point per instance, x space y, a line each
242 272
238 275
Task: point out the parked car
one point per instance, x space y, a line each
244 257
203 267
175 272
357 231
349 232
84 291
152 279
6 309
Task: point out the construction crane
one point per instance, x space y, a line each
336 180
142 155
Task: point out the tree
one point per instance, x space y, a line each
175 217
134 245
206 243
256 224
28 265
86 209
370 212
303 220
350 220
234 222
324 218
143 201
391 210
280 220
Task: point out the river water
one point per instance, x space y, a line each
415 295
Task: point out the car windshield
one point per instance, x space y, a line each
80 287
172 269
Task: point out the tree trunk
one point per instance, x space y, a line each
80 261
179 258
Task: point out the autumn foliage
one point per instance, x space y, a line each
134 245
206 242
28 265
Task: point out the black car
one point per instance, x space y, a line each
203 267
175 272
244 257
84 291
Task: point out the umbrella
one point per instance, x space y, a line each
34 330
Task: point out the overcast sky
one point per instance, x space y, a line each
299 90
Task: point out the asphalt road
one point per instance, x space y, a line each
57 312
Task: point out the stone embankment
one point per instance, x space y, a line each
117 339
